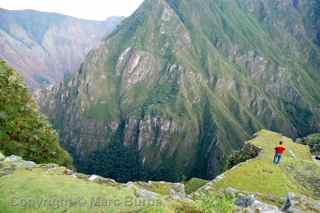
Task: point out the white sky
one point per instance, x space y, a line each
87 9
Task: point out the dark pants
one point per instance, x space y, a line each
277 158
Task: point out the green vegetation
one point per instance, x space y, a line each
21 191
194 184
215 203
313 141
296 173
173 206
117 161
23 130
247 152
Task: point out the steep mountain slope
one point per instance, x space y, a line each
23 130
180 84
47 46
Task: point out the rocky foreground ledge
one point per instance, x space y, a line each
292 186
251 186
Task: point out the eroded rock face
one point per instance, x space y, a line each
180 92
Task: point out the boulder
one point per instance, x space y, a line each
297 203
231 191
93 177
145 194
47 167
81 176
101 180
245 201
5 172
2 157
317 205
178 191
28 164
52 169
130 185
13 158
272 198
68 172
249 204
290 204
258 206
19 162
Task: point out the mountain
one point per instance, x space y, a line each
46 47
24 130
179 86
292 187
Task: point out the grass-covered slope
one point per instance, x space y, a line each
49 188
38 185
296 173
23 130
52 188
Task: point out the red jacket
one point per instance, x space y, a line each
280 149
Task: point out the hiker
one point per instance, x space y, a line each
279 150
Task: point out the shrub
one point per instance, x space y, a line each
247 152
23 130
212 202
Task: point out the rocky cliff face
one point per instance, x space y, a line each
45 47
177 87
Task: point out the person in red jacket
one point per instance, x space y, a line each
279 150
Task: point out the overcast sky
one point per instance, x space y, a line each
87 9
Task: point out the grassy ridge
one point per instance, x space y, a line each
294 174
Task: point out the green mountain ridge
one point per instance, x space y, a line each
179 86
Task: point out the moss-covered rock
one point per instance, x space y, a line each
23 130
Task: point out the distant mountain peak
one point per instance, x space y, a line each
52 46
